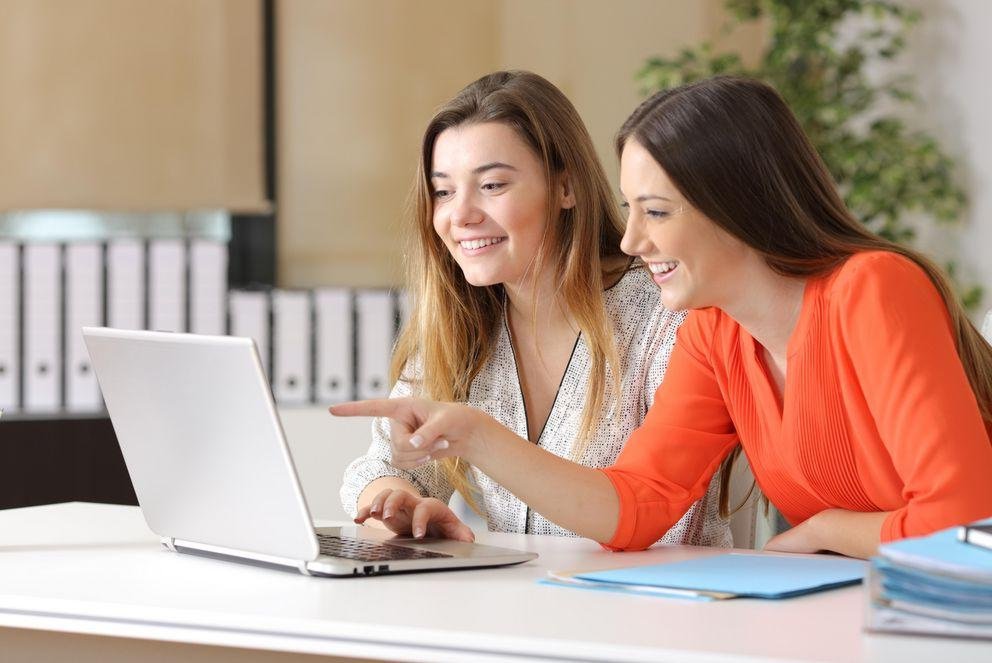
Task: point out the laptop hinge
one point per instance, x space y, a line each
169 542
179 545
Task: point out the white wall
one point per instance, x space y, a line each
322 447
950 54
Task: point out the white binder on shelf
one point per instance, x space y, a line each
334 345
249 311
167 285
376 326
292 338
83 308
208 287
126 284
10 279
42 337
404 307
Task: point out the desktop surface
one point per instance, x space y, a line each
97 569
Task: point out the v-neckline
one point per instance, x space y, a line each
766 388
520 388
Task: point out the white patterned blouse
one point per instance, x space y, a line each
645 334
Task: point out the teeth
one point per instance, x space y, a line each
662 267
479 243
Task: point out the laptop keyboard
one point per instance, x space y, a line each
370 551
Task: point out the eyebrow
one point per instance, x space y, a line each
646 197
479 170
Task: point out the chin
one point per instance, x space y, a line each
674 302
480 281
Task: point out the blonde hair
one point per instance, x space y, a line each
454 325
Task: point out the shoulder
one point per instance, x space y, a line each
870 270
881 290
707 331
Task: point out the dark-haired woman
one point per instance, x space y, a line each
840 362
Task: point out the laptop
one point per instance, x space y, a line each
208 458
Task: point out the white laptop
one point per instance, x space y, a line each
206 452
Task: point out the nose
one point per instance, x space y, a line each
635 240
463 211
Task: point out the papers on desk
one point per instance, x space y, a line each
932 584
718 577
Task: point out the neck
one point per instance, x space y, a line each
767 305
525 301
535 305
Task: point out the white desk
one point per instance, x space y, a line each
96 569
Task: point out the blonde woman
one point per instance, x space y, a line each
524 308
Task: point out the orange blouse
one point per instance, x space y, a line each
877 413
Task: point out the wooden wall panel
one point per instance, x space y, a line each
131 104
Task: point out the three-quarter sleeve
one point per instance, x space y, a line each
668 462
897 332
375 464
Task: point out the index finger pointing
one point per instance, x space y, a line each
381 407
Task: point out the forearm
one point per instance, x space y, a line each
850 533
575 497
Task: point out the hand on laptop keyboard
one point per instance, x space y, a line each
410 515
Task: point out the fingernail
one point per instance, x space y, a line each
421 461
374 509
416 441
443 444
387 513
418 533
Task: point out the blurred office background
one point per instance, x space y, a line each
288 132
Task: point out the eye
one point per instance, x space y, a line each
493 186
625 205
657 213
441 193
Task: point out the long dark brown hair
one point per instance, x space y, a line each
737 153
452 331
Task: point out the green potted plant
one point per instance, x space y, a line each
816 55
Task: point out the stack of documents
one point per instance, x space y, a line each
726 576
933 584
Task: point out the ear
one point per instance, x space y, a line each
566 193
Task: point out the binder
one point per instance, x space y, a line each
376 327
334 345
83 308
42 327
936 584
126 284
404 307
249 311
10 279
292 365
207 287
167 285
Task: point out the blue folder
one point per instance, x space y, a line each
733 575
942 552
